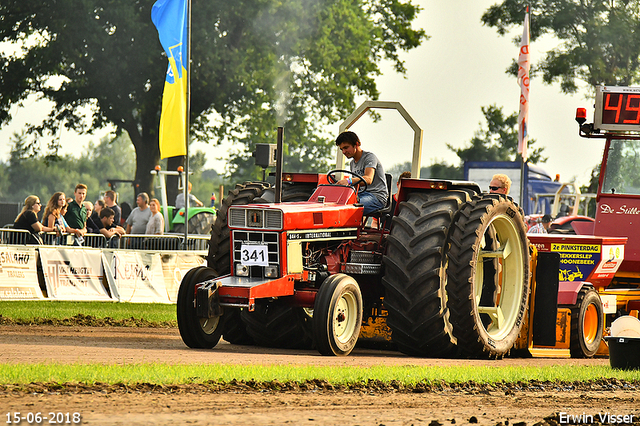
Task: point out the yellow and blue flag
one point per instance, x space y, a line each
170 18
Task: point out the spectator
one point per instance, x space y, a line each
541 227
403 175
110 201
28 219
155 226
76 215
105 220
62 239
367 165
139 217
103 204
193 201
53 217
500 184
92 226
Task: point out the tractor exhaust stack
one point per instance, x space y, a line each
279 159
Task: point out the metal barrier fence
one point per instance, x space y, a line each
171 242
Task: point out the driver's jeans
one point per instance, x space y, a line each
370 202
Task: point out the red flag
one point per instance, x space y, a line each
523 81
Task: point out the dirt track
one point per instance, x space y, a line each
102 405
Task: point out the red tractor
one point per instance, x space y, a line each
446 273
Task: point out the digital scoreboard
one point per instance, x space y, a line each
617 109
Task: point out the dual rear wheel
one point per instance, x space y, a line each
457 275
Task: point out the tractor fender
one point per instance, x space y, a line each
568 291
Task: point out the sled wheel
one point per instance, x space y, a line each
415 278
337 315
488 276
587 324
196 332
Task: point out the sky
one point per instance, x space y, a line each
460 69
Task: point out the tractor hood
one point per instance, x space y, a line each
330 206
294 216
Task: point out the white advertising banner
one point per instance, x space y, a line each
174 267
19 274
73 273
135 276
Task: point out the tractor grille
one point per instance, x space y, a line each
359 256
270 239
236 218
364 263
362 268
273 219
255 218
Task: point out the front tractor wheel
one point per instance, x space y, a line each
587 324
488 276
337 315
196 332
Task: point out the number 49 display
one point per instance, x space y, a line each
617 109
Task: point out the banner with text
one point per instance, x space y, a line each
174 267
135 276
73 273
19 274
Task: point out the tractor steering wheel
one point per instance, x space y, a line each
332 178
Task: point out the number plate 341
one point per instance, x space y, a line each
254 255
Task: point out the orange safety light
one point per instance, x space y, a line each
181 213
157 168
581 115
180 169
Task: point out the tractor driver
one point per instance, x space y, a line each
500 184
367 165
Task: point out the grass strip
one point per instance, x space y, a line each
166 374
54 311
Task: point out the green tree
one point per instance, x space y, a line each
28 173
255 64
600 39
498 141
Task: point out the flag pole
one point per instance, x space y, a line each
523 116
187 124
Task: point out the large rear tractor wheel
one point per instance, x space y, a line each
196 332
587 324
488 276
337 315
415 277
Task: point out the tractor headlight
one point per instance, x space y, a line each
271 271
242 270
